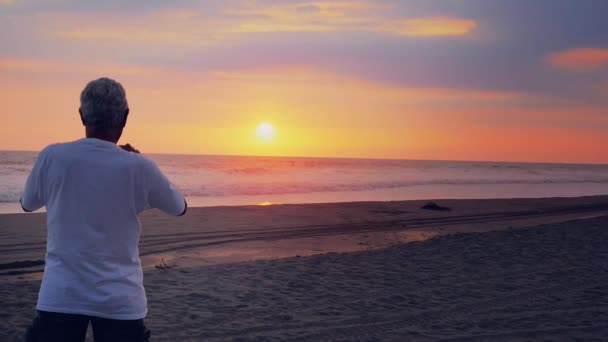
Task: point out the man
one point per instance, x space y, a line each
93 191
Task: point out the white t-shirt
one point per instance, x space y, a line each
93 191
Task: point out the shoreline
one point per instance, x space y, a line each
278 204
420 192
230 234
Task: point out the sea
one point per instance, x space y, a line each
214 180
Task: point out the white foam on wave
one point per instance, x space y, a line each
229 176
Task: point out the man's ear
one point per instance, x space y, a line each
124 122
81 117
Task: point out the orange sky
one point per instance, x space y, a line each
335 78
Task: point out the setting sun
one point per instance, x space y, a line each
265 132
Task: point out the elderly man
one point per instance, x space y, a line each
93 191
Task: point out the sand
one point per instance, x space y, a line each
480 272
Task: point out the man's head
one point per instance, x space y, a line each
104 109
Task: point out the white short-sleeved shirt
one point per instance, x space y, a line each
93 191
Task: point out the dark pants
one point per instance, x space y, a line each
60 327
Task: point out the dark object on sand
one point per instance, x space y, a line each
434 206
163 265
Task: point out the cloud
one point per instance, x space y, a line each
7 2
305 79
436 27
483 44
346 17
287 79
125 34
199 27
602 88
155 27
581 59
42 66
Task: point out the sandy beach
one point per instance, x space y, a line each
486 270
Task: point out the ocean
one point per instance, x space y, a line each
245 180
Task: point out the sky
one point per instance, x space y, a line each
495 80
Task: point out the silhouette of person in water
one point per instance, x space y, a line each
93 191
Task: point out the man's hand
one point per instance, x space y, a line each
129 148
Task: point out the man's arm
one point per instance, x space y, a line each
33 197
163 195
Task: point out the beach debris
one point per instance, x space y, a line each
163 265
434 206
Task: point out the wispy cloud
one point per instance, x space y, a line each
194 27
167 26
436 27
21 65
286 80
7 2
308 77
602 88
346 16
580 59
306 17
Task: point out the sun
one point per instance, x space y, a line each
265 132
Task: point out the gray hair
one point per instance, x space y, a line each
103 104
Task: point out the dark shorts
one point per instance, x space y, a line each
60 327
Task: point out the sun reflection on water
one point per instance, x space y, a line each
264 203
